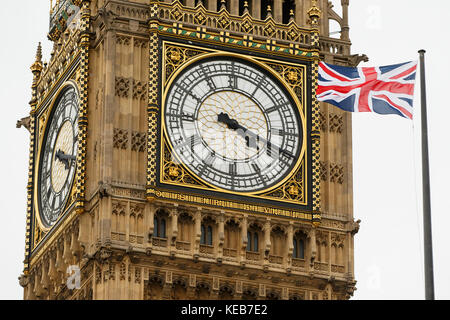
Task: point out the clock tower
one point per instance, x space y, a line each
178 152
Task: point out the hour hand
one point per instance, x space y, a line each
65 158
231 123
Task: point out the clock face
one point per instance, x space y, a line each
58 157
233 126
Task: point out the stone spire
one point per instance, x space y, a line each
36 68
246 7
223 5
269 12
291 16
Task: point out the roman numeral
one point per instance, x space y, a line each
276 108
256 168
187 117
195 140
232 81
232 169
210 159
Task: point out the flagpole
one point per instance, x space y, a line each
427 235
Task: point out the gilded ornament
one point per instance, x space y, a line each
293 190
173 172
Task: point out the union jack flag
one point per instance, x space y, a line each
383 90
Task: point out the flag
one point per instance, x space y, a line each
383 90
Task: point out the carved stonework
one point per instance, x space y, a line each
123 40
336 123
120 139
138 141
122 87
140 91
323 121
324 174
336 173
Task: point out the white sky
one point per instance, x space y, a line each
386 150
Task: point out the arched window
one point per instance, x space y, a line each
207 235
159 230
253 240
207 231
203 235
299 246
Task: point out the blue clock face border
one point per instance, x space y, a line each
211 193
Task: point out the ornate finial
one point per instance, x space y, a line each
223 5
199 3
291 15
39 53
245 7
269 12
37 65
314 14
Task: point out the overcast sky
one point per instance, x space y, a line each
386 150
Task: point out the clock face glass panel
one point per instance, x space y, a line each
233 125
58 157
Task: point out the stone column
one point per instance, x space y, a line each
313 247
244 238
267 242
107 122
211 5
221 235
256 9
234 7
300 13
345 33
290 244
278 11
149 225
197 232
174 227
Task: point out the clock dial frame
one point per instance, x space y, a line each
56 166
253 95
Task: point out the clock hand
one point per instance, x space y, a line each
65 158
250 137
234 125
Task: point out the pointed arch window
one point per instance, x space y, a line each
299 246
206 235
159 230
253 241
